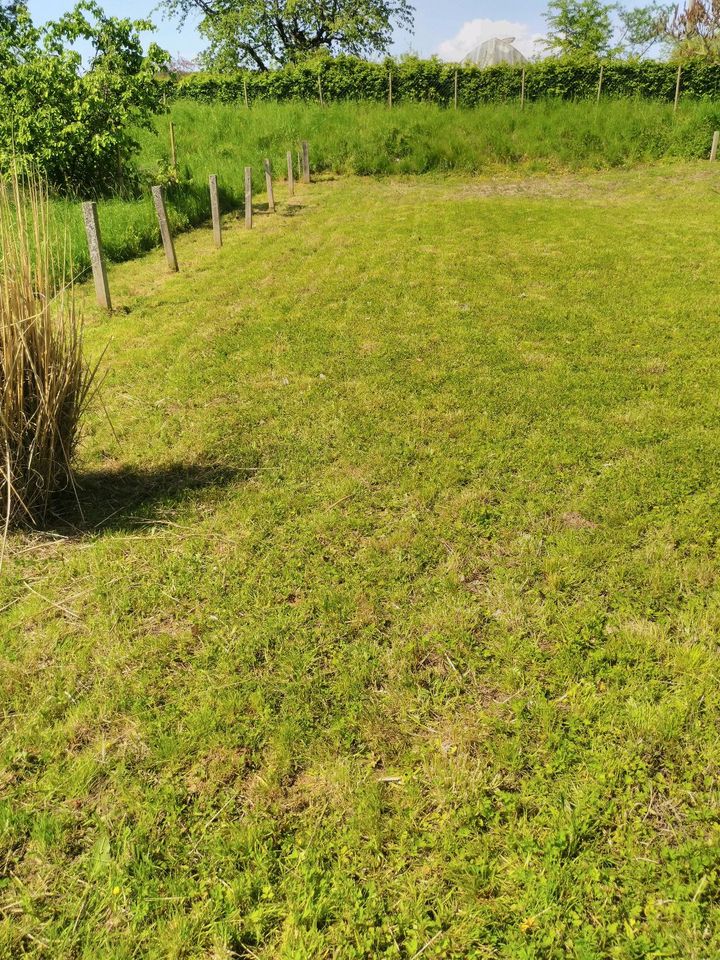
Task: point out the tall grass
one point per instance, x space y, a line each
369 139
45 382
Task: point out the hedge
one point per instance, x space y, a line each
431 81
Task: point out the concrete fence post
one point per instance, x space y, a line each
305 162
248 198
215 209
167 240
173 146
92 229
269 186
291 174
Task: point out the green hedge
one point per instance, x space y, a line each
413 81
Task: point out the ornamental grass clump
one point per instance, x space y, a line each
45 383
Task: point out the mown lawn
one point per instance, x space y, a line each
391 626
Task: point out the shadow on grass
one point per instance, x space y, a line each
128 498
281 209
291 209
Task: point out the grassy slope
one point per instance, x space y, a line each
369 139
393 624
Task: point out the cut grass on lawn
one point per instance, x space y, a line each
390 629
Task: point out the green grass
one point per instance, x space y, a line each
350 138
391 627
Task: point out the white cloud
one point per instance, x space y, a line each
473 32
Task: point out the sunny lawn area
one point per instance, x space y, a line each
391 626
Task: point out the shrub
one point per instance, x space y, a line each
75 124
430 81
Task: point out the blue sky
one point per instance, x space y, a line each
448 28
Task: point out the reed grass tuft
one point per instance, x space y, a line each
45 382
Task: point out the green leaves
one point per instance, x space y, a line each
260 34
579 27
644 26
431 81
70 123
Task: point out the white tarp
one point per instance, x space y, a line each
494 51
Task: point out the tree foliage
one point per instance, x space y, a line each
695 29
72 121
580 27
9 12
266 33
644 27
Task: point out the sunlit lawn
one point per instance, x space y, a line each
390 629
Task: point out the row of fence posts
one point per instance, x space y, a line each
456 88
92 224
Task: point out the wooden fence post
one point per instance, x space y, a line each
173 148
599 89
455 98
677 88
306 161
291 174
215 208
522 90
160 209
247 102
714 148
248 197
269 186
390 89
92 228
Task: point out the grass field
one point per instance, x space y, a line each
390 629
350 138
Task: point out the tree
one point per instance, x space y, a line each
695 31
182 66
266 33
643 27
580 27
71 122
